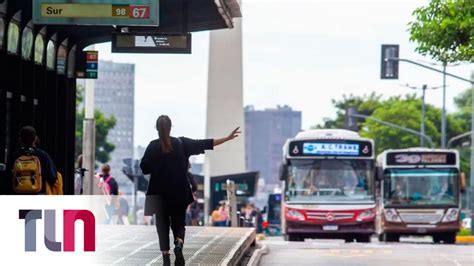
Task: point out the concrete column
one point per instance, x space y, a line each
224 104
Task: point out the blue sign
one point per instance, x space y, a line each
93 65
313 148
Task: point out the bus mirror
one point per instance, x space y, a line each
462 181
2 167
283 172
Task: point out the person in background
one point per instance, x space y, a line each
215 216
28 140
109 187
223 216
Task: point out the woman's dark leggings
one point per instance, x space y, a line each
166 217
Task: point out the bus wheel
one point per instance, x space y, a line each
446 238
392 237
381 237
293 238
363 239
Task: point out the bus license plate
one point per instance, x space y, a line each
330 227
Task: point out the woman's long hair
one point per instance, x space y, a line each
163 125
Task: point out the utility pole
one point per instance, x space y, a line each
443 114
423 109
423 112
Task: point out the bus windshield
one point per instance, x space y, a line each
329 180
420 186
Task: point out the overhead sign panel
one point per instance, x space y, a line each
96 12
151 43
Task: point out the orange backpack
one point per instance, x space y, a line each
27 175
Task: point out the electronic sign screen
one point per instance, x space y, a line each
153 43
421 158
342 148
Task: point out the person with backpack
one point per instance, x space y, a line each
30 169
110 190
169 191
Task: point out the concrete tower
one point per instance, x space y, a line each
225 103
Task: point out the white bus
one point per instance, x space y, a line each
420 194
328 181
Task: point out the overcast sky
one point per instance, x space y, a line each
299 53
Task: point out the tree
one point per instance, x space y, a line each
444 30
365 105
405 112
103 125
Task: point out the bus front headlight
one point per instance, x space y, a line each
451 215
295 215
366 215
392 216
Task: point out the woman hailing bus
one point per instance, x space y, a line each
169 192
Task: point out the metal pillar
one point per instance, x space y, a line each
88 141
423 112
443 114
472 160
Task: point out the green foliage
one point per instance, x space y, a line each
464 232
103 125
444 30
365 105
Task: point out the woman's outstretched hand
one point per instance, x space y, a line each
234 134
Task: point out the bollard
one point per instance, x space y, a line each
232 203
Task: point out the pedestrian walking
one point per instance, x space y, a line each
169 191
30 169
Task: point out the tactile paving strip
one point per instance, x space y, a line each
138 245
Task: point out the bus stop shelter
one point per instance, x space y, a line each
38 69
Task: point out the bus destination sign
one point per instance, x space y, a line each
421 158
331 148
96 12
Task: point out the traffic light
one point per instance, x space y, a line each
389 63
350 121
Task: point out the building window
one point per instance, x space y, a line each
51 55
13 38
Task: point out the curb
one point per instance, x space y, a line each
257 255
464 239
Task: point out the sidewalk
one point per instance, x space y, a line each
138 245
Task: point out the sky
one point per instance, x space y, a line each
297 53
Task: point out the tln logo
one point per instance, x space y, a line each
69 219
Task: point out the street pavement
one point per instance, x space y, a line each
411 251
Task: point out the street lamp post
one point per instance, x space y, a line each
471 179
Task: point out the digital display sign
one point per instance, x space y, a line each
151 43
420 158
342 148
331 149
96 12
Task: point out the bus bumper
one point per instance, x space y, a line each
322 229
420 229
